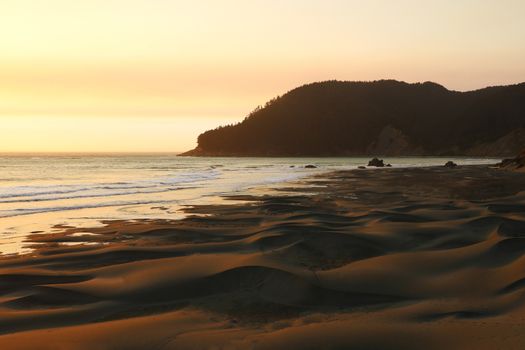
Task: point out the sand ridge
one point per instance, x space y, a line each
393 259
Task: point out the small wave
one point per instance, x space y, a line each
91 195
30 192
27 211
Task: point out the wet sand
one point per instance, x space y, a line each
415 258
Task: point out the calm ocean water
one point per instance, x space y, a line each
40 191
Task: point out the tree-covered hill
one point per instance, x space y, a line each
387 117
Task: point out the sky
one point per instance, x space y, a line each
150 75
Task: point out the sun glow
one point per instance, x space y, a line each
110 66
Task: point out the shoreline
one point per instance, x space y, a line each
393 258
129 193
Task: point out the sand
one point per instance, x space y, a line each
417 258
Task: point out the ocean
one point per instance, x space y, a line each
43 193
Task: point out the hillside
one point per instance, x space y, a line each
386 117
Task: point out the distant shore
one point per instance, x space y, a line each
408 258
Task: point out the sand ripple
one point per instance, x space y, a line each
397 258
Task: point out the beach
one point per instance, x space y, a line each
393 258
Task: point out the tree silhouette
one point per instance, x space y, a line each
345 118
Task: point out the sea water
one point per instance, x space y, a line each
41 191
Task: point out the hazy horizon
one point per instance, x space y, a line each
149 76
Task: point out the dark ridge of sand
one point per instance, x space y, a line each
417 258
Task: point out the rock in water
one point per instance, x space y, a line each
450 164
376 162
310 166
361 167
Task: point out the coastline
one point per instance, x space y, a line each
40 192
370 259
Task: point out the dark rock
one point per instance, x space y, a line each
160 208
310 166
389 165
450 164
517 163
292 166
376 162
361 167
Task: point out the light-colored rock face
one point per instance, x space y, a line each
507 145
392 142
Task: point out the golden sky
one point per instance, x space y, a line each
150 75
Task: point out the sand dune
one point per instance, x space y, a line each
388 259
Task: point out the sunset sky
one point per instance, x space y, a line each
150 75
